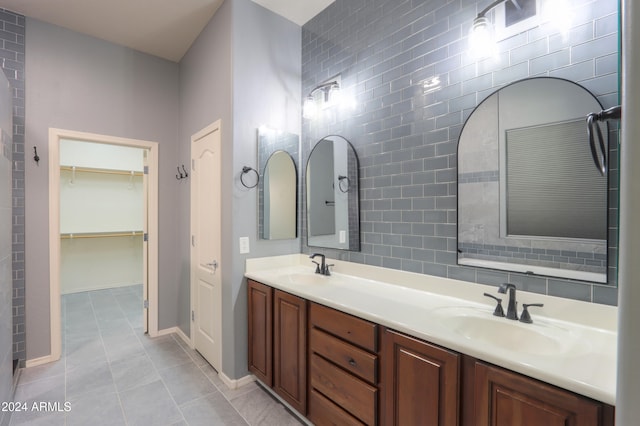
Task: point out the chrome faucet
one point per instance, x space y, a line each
512 305
321 268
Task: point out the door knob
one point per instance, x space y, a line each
213 265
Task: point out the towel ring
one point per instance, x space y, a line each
342 187
245 170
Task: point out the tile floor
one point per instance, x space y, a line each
110 373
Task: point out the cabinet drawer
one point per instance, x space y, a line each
323 412
355 360
354 330
350 393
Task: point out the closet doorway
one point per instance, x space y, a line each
103 221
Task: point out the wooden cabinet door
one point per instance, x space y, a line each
504 398
420 382
289 354
260 329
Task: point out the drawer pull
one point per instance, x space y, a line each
352 362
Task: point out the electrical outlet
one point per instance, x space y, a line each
244 245
343 237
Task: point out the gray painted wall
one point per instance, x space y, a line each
244 68
205 96
266 90
81 83
406 139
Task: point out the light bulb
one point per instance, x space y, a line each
559 14
309 108
335 95
481 38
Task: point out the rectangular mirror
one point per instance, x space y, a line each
278 154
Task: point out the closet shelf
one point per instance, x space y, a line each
103 171
72 236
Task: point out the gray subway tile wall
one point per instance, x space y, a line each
406 137
12 53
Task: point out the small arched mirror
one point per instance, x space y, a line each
280 181
333 213
529 196
278 184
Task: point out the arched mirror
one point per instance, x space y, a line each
279 209
278 185
333 212
529 196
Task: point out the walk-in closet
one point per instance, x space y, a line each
102 212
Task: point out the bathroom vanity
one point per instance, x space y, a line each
358 348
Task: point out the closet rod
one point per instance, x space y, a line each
72 236
104 171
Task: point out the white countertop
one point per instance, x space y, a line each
584 361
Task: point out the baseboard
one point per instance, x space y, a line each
175 330
39 361
231 383
183 336
166 331
236 383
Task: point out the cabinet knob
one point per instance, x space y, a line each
352 362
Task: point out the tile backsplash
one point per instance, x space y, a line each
12 53
406 134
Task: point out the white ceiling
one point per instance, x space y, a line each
298 11
164 28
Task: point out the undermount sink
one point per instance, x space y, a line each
480 325
306 278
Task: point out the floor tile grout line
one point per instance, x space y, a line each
227 398
66 371
104 348
201 368
91 302
124 416
193 358
155 367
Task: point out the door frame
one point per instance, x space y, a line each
216 125
54 226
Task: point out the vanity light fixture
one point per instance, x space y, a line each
324 96
524 15
321 97
481 36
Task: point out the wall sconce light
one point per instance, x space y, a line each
327 95
482 43
321 97
516 16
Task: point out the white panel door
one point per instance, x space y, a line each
205 244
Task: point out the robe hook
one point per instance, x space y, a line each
182 174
